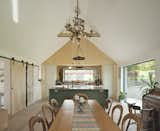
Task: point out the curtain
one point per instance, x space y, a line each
18 86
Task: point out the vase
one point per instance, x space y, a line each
80 107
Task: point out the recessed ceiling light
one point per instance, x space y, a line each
70 67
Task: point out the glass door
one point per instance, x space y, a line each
5 90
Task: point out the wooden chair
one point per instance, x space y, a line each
54 103
132 108
48 109
82 95
120 108
146 115
131 116
108 105
36 119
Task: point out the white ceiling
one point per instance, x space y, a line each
130 29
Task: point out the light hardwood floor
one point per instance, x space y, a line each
19 122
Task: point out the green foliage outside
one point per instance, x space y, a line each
143 66
138 72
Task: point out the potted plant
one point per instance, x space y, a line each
151 84
121 96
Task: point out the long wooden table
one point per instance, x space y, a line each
63 121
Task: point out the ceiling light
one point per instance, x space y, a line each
15 13
76 29
79 54
70 67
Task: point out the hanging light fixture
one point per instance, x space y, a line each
79 55
76 30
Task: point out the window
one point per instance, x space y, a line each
136 76
79 75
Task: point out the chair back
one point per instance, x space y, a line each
120 108
108 105
131 116
36 119
53 102
55 105
48 112
146 115
82 95
134 109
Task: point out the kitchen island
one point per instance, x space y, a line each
62 93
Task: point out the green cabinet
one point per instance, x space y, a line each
60 94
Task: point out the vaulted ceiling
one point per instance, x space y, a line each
130 29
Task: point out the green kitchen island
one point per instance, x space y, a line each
60 94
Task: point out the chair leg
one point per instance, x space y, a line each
128 124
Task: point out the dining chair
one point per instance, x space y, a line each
34 120
115 108
48 114
108 105
54 103
133 117
85 96
146 115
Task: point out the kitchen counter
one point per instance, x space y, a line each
62 93
78 87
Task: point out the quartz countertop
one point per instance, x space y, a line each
77 87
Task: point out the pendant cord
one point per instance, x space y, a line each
77 11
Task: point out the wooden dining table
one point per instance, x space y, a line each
64 118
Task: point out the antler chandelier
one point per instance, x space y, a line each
76 29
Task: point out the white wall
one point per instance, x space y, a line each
50 76
107 76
